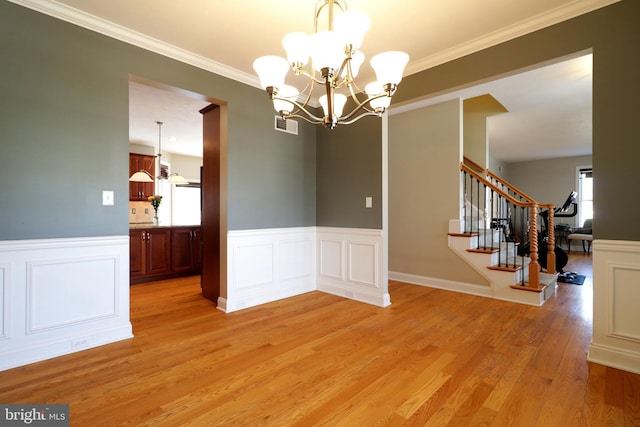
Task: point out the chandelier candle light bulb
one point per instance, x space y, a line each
335 62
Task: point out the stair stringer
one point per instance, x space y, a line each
500 281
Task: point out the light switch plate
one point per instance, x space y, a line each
107 198
368 202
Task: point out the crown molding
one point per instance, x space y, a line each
118 32
535 23
102 26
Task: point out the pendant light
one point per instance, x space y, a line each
174 178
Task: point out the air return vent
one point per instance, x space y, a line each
288 126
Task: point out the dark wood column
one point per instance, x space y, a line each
210 281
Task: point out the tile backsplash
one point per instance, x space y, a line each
140 213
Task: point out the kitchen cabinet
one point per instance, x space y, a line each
150 253
141 190
164 252
186 249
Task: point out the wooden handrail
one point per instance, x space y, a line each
495 188
516 190
473 164
511 187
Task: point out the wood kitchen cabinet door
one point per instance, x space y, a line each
137 250
149 252
186 251
139 191
158 251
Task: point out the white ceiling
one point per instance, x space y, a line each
549 110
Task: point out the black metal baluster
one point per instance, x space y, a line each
464 189
477 222
522 279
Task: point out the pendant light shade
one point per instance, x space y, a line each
352 25
286 96
175 179
297 47
389 66
141 176
271 70
338 104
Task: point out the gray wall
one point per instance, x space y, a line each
64 125
349 169
548 181
614 35
425 151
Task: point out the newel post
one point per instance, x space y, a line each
534 266
551 242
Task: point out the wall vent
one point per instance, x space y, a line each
288 126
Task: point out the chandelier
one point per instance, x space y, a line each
335 62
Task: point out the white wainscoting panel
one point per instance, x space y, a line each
351 265
253 265
361 268
616 293
4 301
331 259
268 264
62 295
89 293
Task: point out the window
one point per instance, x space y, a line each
585 194
186 204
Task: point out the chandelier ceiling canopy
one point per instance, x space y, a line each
335 62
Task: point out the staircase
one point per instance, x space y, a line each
498 237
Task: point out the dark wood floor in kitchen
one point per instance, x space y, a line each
432 358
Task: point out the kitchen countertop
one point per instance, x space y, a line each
139 225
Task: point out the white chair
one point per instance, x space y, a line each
584 234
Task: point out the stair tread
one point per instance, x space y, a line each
547 279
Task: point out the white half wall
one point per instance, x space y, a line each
350 264
267 265
616 293
59 296
270 264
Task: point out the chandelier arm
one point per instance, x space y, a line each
299 108
366 114
303 72
361 106
353 93
310 88
345 64
313 119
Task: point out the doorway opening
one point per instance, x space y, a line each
183 151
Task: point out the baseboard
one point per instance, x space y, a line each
373 298
448 285
614 357
43 351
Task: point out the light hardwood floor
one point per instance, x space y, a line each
432 358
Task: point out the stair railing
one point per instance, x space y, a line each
513 214
521 195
